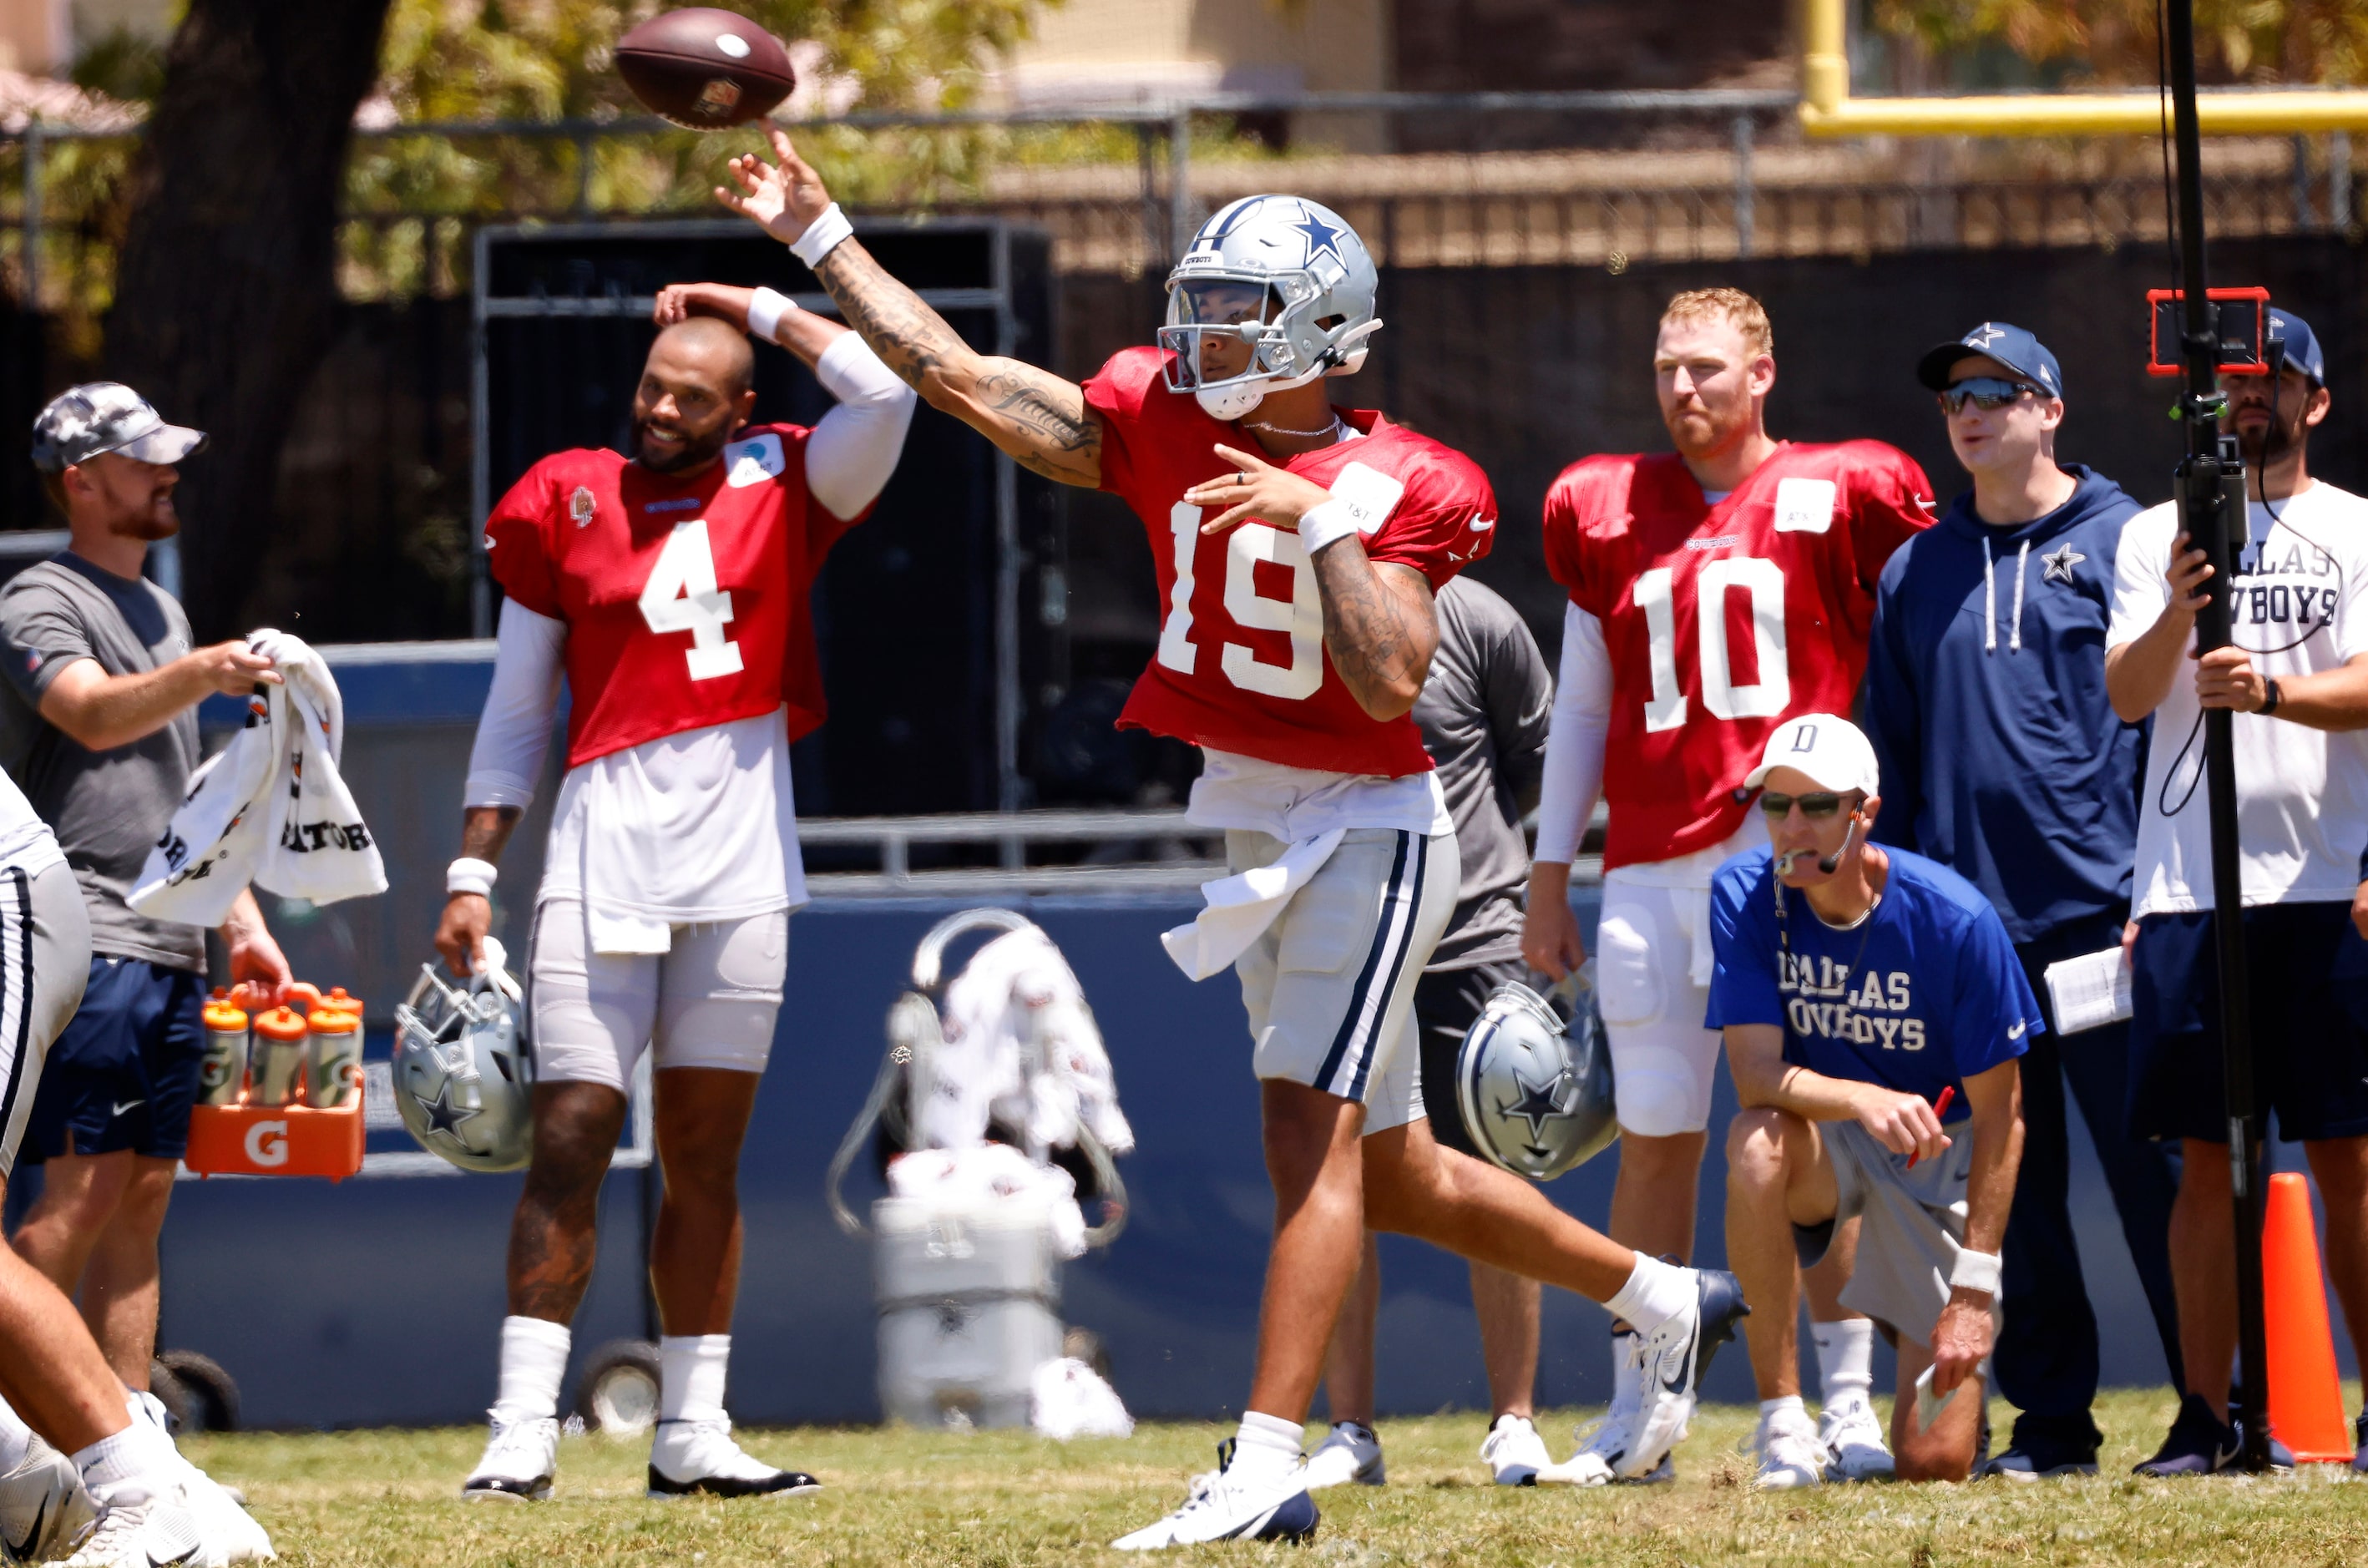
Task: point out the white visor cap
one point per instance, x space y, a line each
1832 751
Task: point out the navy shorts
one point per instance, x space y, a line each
2310 1060
124 1072
1446 1003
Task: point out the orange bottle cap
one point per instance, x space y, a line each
222 1016
334 1020
281 1023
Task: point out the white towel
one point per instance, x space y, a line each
1020 1047
270 808
1240 908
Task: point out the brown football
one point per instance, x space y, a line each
705 69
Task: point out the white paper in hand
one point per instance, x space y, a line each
2090 991
1928 1408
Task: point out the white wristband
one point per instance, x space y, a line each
469 874
1328 523
822 235
766 311
1976 1271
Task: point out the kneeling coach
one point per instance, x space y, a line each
1862 991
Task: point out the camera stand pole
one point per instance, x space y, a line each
2212 514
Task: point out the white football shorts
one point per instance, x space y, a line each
1329 986
1652 981
710 1002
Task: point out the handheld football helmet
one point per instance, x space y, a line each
1535 1091
1282 275
463 1074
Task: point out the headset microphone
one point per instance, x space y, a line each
1828 864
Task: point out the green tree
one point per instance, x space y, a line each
2114 41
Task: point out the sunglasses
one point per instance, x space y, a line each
1985 392
1817 807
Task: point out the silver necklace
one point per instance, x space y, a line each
1280 430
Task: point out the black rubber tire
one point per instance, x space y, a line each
619 1394
212 1392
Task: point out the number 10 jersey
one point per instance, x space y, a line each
1722 619
687 600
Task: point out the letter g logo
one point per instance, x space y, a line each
266 1142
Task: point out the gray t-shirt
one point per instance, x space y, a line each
1483 716
107 807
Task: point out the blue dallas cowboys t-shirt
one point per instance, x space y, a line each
1926 991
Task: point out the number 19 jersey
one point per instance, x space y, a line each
687 600
1241 665
1722 619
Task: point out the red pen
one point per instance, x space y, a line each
1940 1107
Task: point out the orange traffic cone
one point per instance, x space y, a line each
2306 1393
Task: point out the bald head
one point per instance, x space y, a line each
696 389
703 346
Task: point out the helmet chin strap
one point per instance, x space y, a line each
1230 402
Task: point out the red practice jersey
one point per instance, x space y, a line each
1241 665
1723 621
687 600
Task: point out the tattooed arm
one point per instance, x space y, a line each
1379 623
1040 419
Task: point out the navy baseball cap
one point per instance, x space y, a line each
2011 345
2301 345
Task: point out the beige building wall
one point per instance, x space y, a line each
1090 53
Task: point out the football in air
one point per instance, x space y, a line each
705 69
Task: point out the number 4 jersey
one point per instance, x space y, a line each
1241 665
1723 620
687 600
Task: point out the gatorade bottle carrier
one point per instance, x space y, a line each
297 1138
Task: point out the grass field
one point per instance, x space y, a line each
1000 1500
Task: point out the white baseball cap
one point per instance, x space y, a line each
1832 751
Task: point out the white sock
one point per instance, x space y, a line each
690 1376
131 1466
534 1359
15 1438
1655 1293
1845 1359
1265 1448
1791 1402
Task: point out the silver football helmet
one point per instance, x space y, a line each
463 1074
1281 274
1535 1091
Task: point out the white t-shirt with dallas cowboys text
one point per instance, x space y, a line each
2299 606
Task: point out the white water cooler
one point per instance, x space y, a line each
969 1300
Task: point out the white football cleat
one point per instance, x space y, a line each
1676 1354
521 1460
698 1459
1349 1454
1223 1506
1853 1435
151 1533
227 1533
1514 1452
1790 1453
43 1506
1603 1442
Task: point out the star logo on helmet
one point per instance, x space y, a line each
1320 235
1539 1104
443 1115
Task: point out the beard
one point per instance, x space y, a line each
149 524
696 448
1699 431
2274 440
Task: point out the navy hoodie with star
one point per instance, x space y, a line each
1985 698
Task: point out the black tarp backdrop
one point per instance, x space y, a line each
1525 368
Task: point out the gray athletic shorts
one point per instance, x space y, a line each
1329 986
44 963
711 1001
1915 1226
